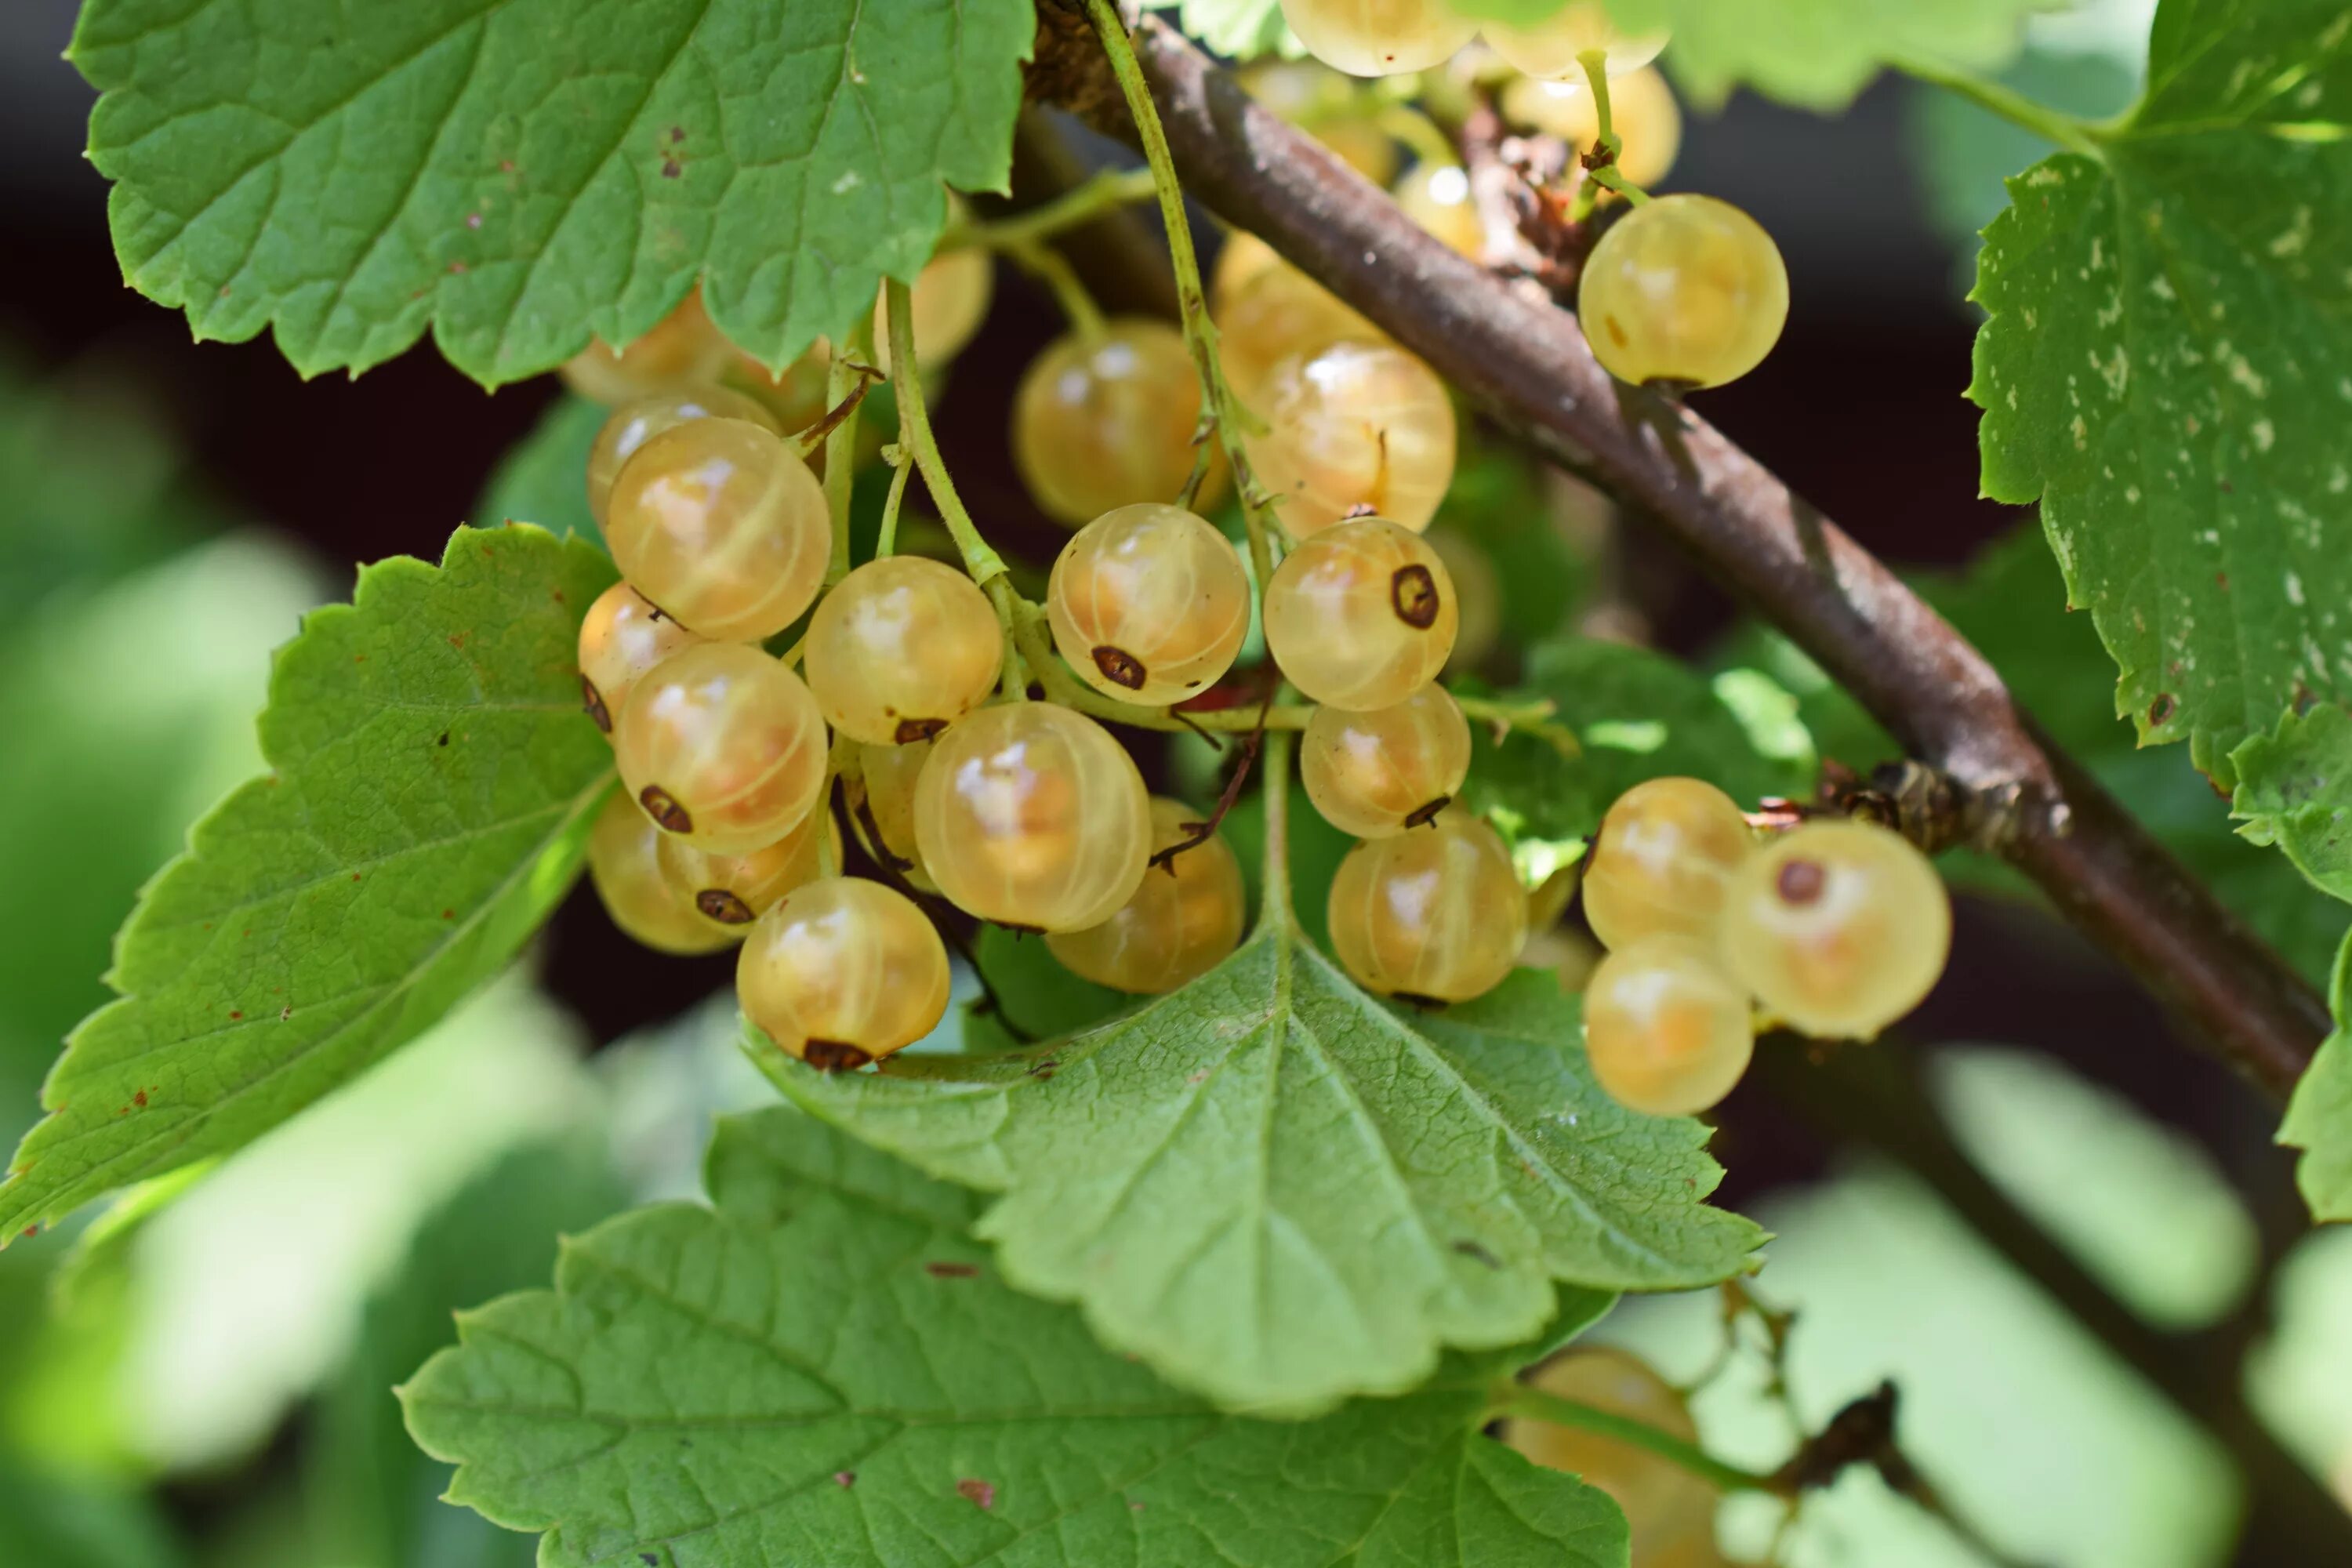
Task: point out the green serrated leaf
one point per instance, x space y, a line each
1638 715
2168 366
429 800
2319 1118
1819 54
1040 998
1279 1192
827 1369
518 174
2294 791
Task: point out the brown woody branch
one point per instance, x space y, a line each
1526 363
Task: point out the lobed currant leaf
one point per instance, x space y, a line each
517 174
826 1368
428 802
2167 364
1282 1193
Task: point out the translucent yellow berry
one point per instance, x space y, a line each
1838 927
1357 425
1663 862
681 350
1379 37
900 648
722 525
1687 291
1031 814
1552 47
723 746
1434 915
621 638
625 863
634 424
1184 918
1148 603
1667 1030
843 972
1360 616
1106 422
1381 773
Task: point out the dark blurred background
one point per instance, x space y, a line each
1861 408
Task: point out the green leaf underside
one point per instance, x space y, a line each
825 1369
1281 1193
2168 368
431 787
1819 54
2319 1116
518 174
539 480
1638 715
2294 791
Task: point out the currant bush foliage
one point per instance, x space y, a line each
430 791
1282 1193
2168 368
1635 715
518 174
826 1368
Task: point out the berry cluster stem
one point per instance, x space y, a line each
846 372
1073 208
1600 172
1050 268
980 558
1217 399
1274 784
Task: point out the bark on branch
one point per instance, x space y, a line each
1526 363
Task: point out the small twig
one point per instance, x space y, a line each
1073 208
1199 832
813 436
1050 268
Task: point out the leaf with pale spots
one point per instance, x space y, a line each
1282 1193
825 1368
2168 368
430 787
518 174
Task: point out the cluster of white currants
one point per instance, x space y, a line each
1028 814
1835 927
1682 291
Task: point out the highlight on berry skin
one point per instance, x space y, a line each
1148 603
1361 615
1033 816
1184 918
1270 312
635 423
1666 1029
